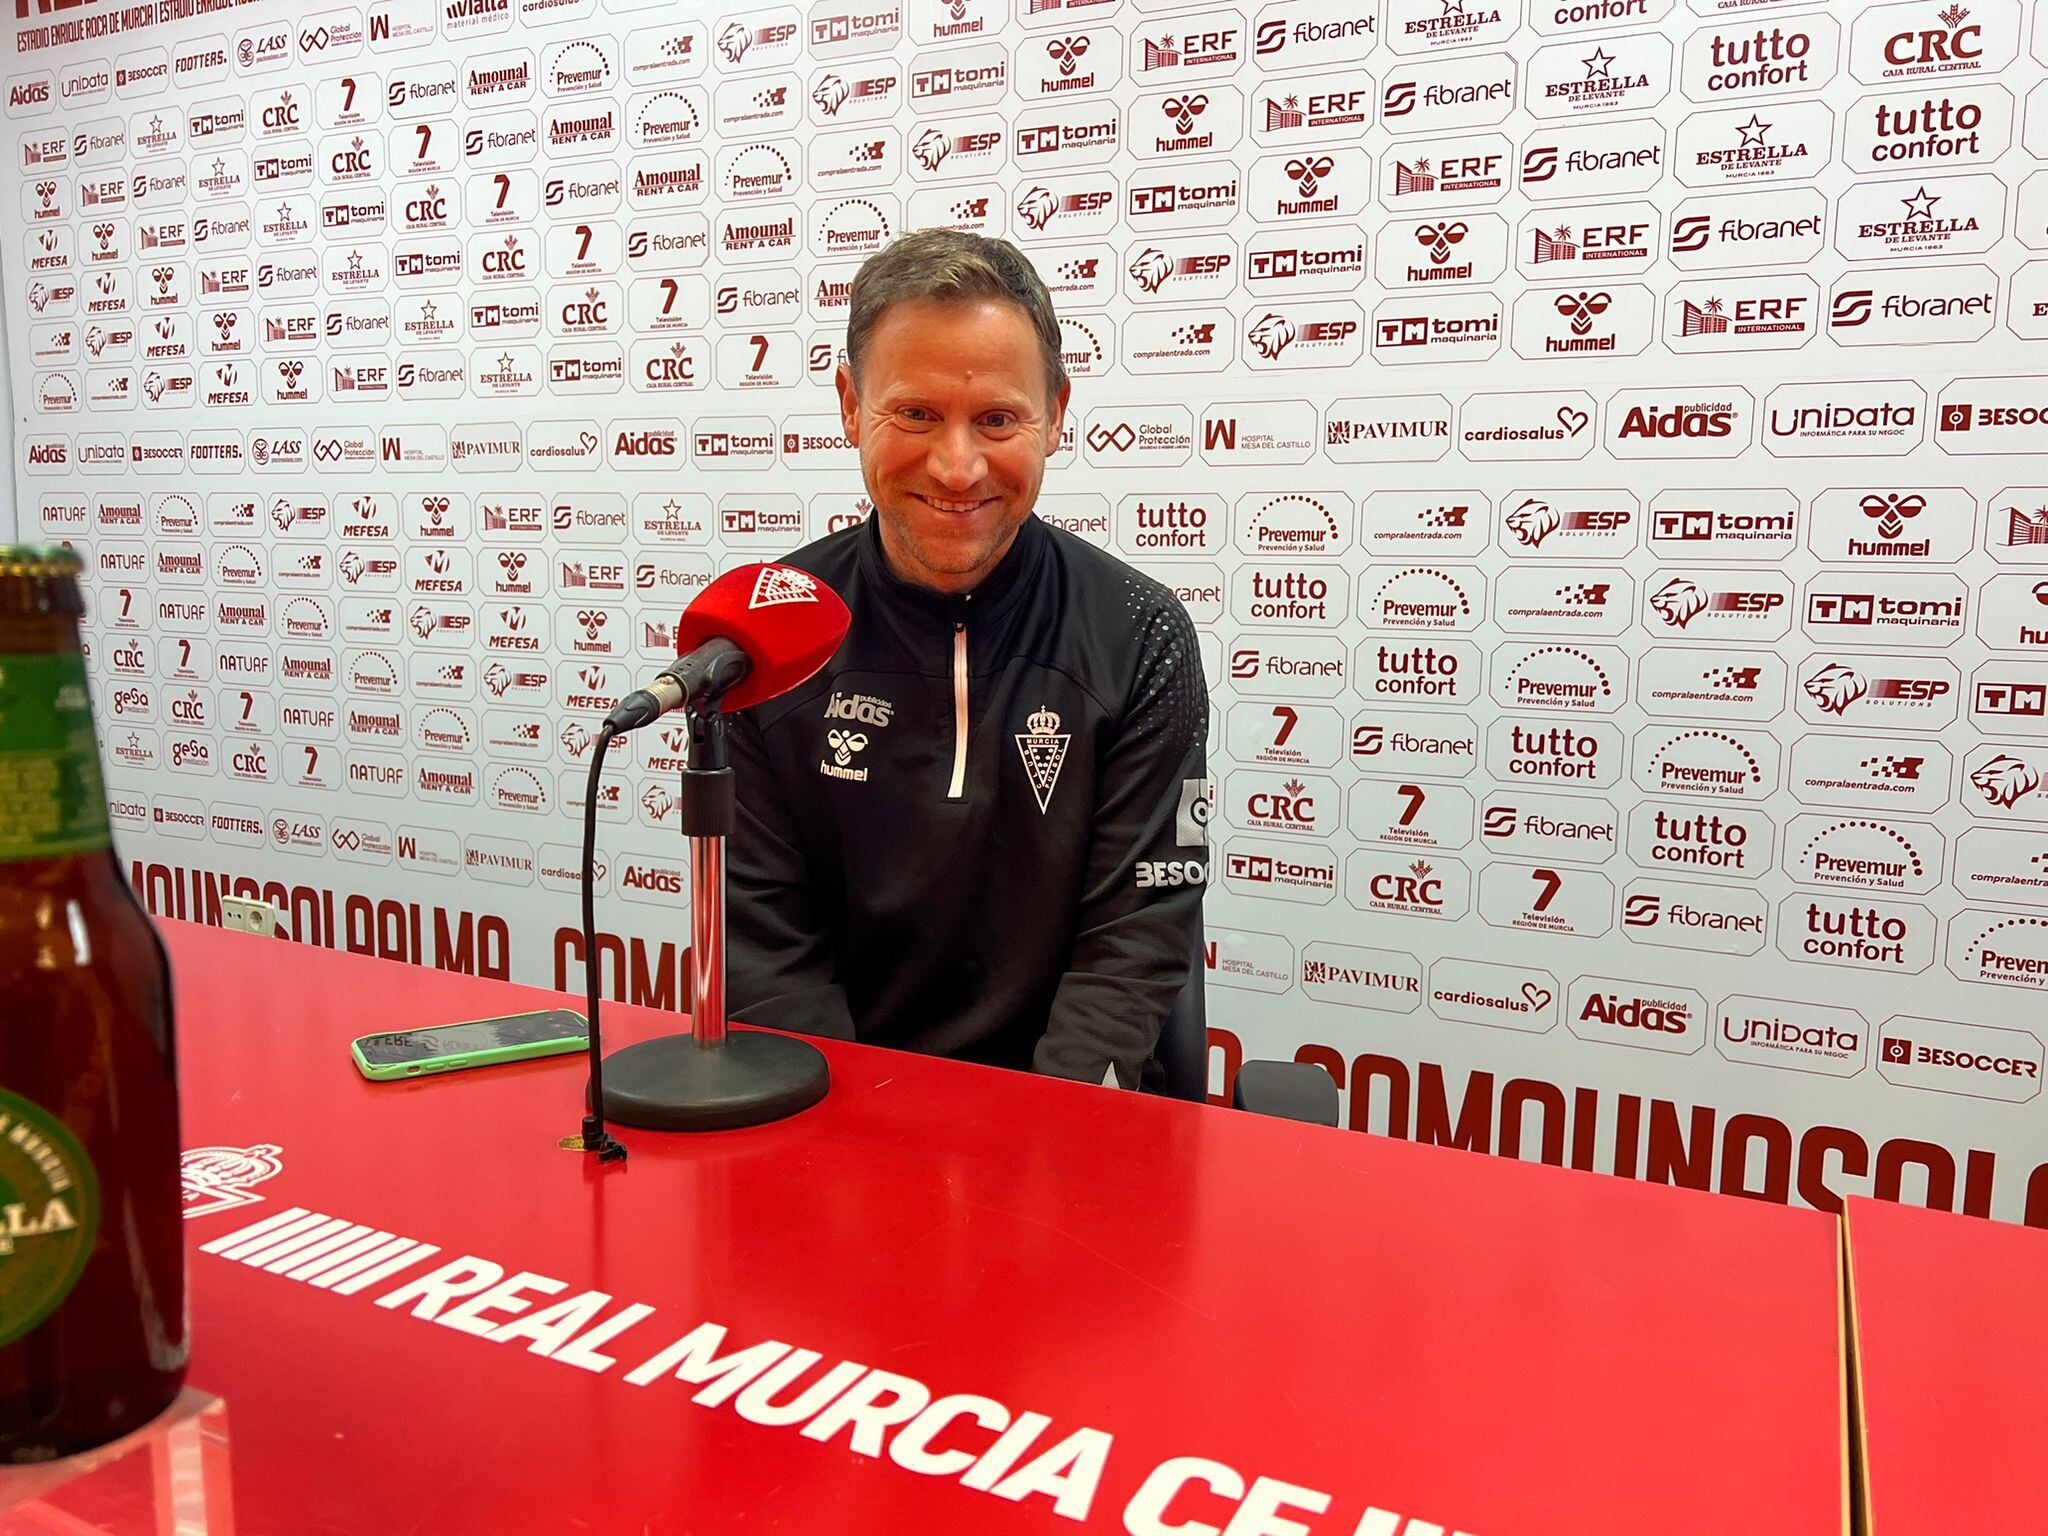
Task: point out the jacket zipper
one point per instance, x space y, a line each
953 790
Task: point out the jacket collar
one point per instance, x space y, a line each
1015 574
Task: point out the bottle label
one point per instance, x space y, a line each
52 801
49 1212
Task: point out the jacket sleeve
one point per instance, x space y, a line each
1140 915
780 969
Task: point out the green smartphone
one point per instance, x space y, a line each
478 1043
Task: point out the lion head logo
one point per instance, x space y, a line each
1151 269
658 801
1678 602
830 94
1037 207
734 41
1534 521
2005 780
931 147
1272 334
498 679
351 566
576 737
1835 687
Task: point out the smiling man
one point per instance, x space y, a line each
981 831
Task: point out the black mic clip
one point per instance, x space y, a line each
699 679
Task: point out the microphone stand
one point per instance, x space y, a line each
709 1079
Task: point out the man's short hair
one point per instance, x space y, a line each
950 264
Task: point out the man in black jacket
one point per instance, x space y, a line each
981 830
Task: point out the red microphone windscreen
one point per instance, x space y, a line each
787 621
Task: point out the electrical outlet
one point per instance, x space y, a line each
247 915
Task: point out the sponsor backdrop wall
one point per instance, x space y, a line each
1600 440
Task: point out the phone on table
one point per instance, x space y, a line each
479 1043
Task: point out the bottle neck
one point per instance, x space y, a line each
53 802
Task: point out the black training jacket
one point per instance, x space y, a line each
981 830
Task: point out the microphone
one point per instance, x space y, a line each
755 632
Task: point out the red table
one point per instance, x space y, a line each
1152 1317
1951 1369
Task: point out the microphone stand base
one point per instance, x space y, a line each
675 1084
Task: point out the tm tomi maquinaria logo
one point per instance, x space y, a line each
2005 780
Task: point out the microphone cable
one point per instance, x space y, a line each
595 1137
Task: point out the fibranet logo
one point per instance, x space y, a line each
1305 665
1592 161
1297 34
1444 97
1771 227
